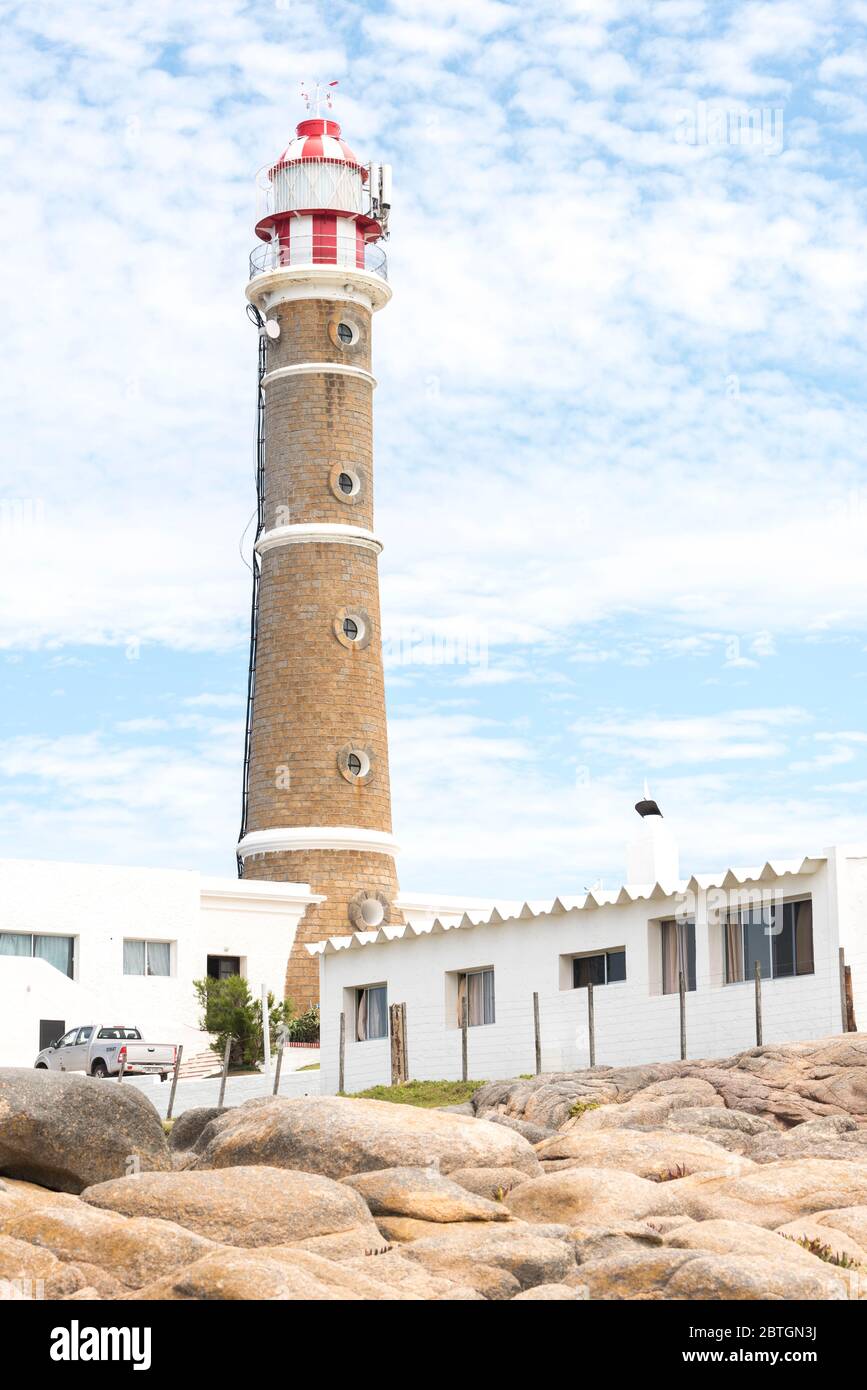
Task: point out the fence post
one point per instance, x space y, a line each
225 1073
403 1042
266 1032
281 1047
851 1024
844 1012
174 1082
341 1064
121 1069
591 1023
681 989
464 1019
397 1028
537 1033
758 1003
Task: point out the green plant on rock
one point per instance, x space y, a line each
230 1011
670 1174
580 1107
824 1252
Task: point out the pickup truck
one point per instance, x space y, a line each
99 1049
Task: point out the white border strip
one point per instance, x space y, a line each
308 533
308 368
317 837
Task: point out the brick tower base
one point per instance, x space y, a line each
336 874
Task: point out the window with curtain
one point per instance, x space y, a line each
371 1013
779 937
678 955
606 968
59 951
147 958
477 987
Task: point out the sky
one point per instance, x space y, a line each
620 470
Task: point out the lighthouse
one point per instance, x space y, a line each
316 800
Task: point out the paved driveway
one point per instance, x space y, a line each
238 1089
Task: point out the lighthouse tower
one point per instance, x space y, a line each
317 805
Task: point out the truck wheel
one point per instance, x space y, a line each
99 1070
40 1066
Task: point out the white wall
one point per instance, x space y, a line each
635 1022
849 866
101 905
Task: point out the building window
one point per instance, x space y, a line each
345 333
147 958
678 955
345 482
371 1013
59 951
606 968
223 967
780 938
350 628
477 988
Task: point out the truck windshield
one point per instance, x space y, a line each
126 1034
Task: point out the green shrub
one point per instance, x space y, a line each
304 1028
229 1010
580 1106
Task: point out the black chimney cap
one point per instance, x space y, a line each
647 808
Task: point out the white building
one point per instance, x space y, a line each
632 943
83 943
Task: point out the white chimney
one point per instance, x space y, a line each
652 856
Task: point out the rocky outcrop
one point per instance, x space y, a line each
245 1206
784 1084
648 1153
422 1193
67 1131
741 1179
339 1137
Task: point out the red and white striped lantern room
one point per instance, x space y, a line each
323 207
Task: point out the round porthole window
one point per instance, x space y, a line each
345 482
355 763
352 628
344 332
368 910
372 912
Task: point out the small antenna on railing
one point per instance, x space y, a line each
313 98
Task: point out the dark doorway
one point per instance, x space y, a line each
49 1030
221 967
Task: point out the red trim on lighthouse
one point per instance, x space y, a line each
324 240
359 247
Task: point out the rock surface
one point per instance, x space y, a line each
423 1193
744 1178
783 1084
338 1137
67 1131
245 1206
648 1153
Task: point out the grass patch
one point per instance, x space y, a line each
312 1066
428 1094
167 1126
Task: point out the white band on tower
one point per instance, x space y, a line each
310 532
307 368
338 837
